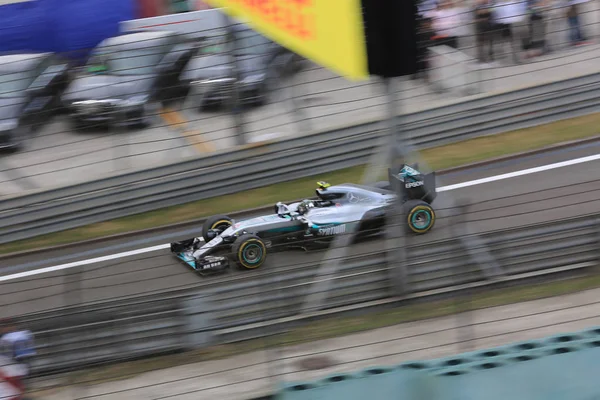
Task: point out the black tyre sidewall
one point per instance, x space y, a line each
212 223
241 244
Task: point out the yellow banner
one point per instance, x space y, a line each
328 32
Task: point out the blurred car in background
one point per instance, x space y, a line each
126 79
30 89
212 76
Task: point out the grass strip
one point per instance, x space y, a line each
452 155
339 326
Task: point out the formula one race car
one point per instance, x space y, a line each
340 209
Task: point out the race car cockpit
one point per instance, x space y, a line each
301 208
306 205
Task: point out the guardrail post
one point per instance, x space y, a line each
395 251
72 298
199 321
323 279
464 322
462 302
297 109
236 106
72 287
392 143
597 232
120 143
475 246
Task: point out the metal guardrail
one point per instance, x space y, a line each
112 331
432 266
269 302
247 168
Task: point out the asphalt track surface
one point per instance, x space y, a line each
548 194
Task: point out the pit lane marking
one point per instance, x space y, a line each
475 182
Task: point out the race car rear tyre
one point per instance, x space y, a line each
249 251
420 216
216 222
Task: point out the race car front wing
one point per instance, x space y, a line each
206 264
197 258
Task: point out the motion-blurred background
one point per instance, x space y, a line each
125 124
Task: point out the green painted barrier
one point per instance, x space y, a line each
376 383
565 366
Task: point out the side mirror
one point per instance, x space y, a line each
281 209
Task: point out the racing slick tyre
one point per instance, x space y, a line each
420 216
249 251
216 222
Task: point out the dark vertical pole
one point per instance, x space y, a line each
396 240
121 142
464 315
72 298
393 125
302 120
396 257
235 104
596 270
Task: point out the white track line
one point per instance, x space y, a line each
166 246
83 262
520 173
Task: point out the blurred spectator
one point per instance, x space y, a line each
484 30
16 344
424 41
576 36
537 41
509 18
426 7
446 22
11 380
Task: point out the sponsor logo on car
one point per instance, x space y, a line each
332 230
211 265
413 184
409 171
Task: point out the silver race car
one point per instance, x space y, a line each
337 210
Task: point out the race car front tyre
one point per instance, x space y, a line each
249 251
215 223
420 216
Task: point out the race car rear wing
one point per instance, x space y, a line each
413 186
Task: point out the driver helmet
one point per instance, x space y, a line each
304 206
